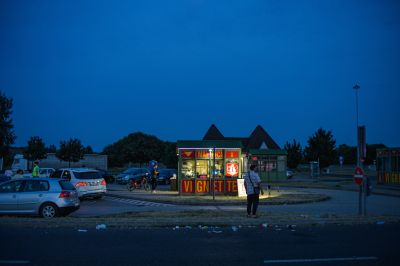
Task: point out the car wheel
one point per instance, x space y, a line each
49 210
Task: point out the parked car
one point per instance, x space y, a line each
164 175
4 178
107 176
88 182
39 196
132 174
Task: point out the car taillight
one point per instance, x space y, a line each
65 194
103 182
81 184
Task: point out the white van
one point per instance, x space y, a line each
88 182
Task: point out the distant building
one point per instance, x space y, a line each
388 166
198 163
97 161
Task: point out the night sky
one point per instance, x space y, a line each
99 70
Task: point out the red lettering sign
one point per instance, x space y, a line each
209 155
187 186
187 154
231 186
219 186
232 169
202 186
232 154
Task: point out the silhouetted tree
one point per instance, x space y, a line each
7 136
36 149
321 147
70 151
169 157
141 148
349 154
88 150
294 156
371 152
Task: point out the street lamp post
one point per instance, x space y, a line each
356 88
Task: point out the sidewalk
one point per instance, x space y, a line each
342 183
163 194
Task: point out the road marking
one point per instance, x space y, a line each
14 261
319 260
137 202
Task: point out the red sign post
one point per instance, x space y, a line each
358 175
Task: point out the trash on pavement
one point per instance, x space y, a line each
101 227
265 225
214 230
235 228
291 227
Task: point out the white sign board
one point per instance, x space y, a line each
241 189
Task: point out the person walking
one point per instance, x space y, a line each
35 170
252 184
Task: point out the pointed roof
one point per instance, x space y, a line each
213 133
259 136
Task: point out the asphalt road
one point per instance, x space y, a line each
341 202
321 245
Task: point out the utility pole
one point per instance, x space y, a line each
356 87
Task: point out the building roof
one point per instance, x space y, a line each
258 139
213 133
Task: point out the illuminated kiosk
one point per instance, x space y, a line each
203 163
199 166
388 166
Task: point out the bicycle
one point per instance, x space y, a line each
138 184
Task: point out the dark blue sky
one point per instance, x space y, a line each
99 70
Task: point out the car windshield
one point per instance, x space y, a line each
87 175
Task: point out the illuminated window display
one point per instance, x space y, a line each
197 165
187 169
215 163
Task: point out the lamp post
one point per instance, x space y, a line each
356 88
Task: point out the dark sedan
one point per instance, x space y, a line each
107 176
131 174
164 176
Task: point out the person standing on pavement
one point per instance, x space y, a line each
35 170
252 184
153 169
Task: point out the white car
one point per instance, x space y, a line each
88 182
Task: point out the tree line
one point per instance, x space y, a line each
321 146
140 148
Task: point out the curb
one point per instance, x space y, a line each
229 203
